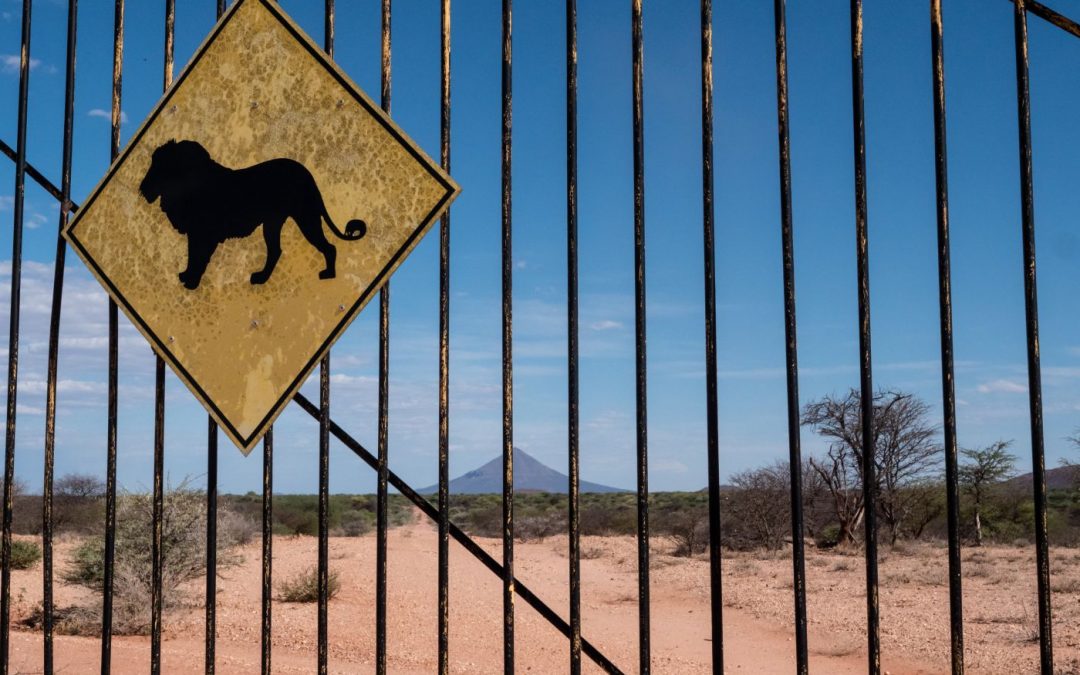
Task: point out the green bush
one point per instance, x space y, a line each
24 554
829 536
304 587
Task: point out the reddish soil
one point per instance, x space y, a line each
999 608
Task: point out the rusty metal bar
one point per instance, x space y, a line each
1031 313
156 553
324 511
54 347
38 177
432 512
572 374
640 351
791 347
444 357
716 605
324 445
1043 12
948 386
267 549
873 638
384 402
13 337
211 546
114 327
507 341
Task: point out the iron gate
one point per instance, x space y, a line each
438 512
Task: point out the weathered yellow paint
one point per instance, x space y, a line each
255 92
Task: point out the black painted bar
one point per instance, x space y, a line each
1031 314
873 638
114 327
572 375
13 337
644 659
791 347
948 387
507 343
54 346
716 604
444 356
384 403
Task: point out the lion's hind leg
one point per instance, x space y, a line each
272 237
311 228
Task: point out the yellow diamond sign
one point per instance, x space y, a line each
252 216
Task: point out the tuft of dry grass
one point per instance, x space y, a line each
304 587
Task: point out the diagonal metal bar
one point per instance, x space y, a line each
431 511
1060 20
38 177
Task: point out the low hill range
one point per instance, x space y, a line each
1058 478
530 475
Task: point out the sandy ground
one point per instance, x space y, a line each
999 607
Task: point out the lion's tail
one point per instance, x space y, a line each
354 229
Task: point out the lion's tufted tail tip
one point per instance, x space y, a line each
355 229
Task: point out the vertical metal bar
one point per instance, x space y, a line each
324 509
865 364
156 553
948 388
13 336
572 376
444 359
798 556
507 341
158 516
639 322
114 323
324 443
211 545
211 518
384 403
54 346
712 412
1031 312
267 548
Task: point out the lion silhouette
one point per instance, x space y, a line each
210 203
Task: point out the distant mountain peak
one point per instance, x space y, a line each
530 475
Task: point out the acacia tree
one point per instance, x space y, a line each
984 468
905 453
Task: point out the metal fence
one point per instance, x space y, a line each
512 587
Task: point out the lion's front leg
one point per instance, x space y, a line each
199 252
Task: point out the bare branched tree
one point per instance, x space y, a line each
760 508
905 453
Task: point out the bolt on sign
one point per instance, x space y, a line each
260 206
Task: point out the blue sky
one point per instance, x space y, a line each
988 301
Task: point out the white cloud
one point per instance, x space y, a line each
606 324
106 115
1002 387
10 63
6 202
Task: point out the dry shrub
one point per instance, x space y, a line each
183 557
304 587
591 552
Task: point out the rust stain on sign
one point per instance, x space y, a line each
261 145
